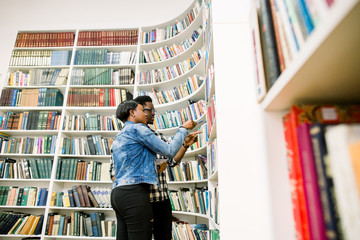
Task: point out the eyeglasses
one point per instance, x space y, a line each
152 110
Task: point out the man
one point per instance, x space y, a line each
159 197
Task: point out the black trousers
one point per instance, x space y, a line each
133 212
162 220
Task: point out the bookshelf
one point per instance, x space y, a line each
321 72
196 58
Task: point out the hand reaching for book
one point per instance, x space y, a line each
161 166
191 138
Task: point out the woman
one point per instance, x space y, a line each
134 150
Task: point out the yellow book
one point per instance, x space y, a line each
53 197
354 149
34 225
26 229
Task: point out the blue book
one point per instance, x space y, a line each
39 226
14 95
93 224
306 16
76 196
325 182
71 198
43 197
61 225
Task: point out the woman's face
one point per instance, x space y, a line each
140 116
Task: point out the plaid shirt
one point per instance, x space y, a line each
156 194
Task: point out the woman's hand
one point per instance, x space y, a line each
189 124
161 166
191 139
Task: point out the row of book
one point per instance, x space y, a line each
26 168
211 114
103 56
108 38
323 143
214 204
32 120
170 72
194 170
212 155
285 27
92 122
82 196
182 230
97 97
45 39
14 223
166 52
89 145
80 224
40 58
23 196
175 118
209 81
38 77
189 200
29 145
31 97
76 169
102 76
161 34
166 96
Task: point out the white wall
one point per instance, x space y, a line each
245 209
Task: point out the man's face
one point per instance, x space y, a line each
149 110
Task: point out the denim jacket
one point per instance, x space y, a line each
134 150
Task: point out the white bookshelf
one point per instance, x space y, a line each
325 70
55 185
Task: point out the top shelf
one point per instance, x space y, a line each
326 70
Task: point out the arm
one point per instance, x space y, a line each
146 137
189 140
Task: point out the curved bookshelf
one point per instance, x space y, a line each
193 153
172 131
190 214
182 103
187 182
313 76
180 36
214 176
172 60
198 69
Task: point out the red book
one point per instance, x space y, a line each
310 181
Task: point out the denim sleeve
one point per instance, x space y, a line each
146 137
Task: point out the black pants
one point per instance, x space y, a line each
162 220
133 212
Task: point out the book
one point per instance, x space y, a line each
337 141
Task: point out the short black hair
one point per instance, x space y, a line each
142 99
123 110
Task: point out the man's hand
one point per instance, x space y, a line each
161 166
189 124
191 139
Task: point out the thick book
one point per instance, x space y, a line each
310 184
325 182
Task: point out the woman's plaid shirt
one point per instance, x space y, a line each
156 194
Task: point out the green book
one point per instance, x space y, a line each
58 168
24 197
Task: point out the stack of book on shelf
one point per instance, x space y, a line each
102 76
38 77
191 85
12 223
176 118
161 34
322 143
103 56
284 28
29 145
108 38
80 224
91 122
23 196
76 169
82 196
89 145
166 52
40 58
45 39
170 72
189 170
31 120
189 200
26 168
182 230
39 97
97 97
